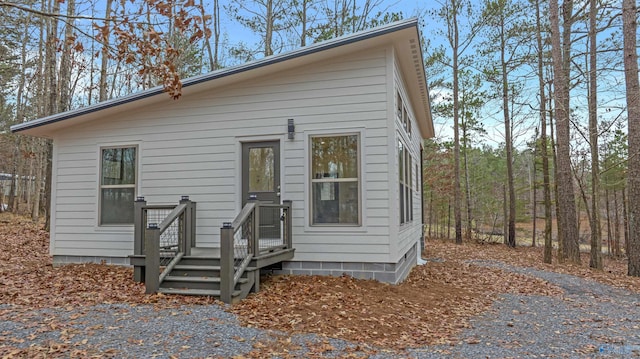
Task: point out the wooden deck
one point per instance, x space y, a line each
168 260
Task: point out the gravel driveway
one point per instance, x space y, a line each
590 320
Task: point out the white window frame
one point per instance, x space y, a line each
359 180
403 115
405 182
101 186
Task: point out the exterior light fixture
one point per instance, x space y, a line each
291 128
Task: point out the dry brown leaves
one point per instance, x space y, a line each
29 281
28 278
614 273
431 307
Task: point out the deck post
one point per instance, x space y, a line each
193 224
288 224
152 258
226 262
138 235
255 239
187 235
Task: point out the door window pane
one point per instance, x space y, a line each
261 169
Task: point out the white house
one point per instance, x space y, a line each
335 127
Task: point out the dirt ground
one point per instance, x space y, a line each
431 307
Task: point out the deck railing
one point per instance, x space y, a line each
258 228
163 234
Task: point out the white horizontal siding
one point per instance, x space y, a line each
189 147
410 232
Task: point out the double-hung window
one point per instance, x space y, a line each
406 183
117 184
406 180
335 180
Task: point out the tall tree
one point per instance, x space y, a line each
544 146
566 196
214 60
346 16
266 19
630 26
104 61
452 13
472 100
505 31
595 260
51 101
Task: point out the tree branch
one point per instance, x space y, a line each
4 3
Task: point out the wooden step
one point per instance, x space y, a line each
193 267
175 278
200 261
199 292
204 267
194 270
209 283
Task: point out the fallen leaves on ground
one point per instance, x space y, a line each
614 273
431 307
28 277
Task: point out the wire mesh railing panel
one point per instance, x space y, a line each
270 227
170 238
242 241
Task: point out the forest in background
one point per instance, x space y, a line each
537 102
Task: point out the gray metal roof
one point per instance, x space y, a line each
307 50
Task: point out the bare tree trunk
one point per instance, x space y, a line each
505 215
616 226
534 192
511 234
216 34
449 221
51 106
548 220
28 179
35 210
625 220
629 28
104 61
595 260
303 22
268 36
609 236
430 215
566 196
64 100
457 200
11 206
207 43
467 188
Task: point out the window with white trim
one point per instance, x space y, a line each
335 180
403 114
405 171
117 184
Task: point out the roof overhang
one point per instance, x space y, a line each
403 35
